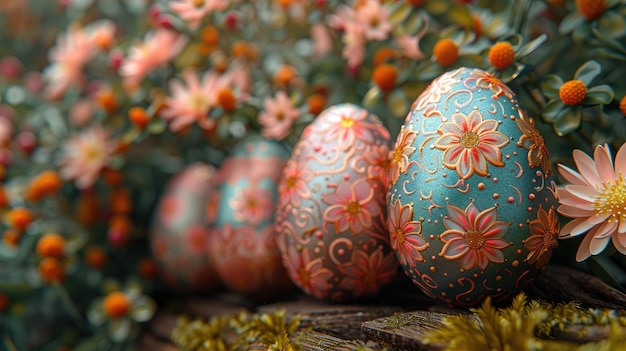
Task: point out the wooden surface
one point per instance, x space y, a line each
397 320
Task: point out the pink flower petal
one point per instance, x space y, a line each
571 176
583 192
604 163
620 161
587 167
597 245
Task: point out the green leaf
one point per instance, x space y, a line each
567 121
428 71
415 23
446 11
552 110
581 33
612 24
399 12
529 47
398 103
427 43
550 85
372 97
600 95
571 22
588 71
608 271
608 41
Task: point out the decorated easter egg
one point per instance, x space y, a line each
331 211
243 242
180 228
472 200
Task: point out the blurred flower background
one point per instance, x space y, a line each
102 101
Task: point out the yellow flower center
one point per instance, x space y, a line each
305 276
612 200
198 3
91 152
347 122
474 239
501 55
400 236
198 102
291 182
353 208
470 140
573 92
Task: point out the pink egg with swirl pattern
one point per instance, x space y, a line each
331 215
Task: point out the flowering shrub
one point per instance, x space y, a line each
101 101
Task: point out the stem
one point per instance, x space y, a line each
70 306
8 342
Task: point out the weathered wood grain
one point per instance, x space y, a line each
404 331
563 284
316 341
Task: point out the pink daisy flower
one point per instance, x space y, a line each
307 273
474 237
470 143
158 48
194 11
67 59
596 200
543 237
85 155
351 206
406 234
278 116
374 17
293 186
252 205
192 101
366 274
322 41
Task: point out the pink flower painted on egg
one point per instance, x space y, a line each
196 237
169 210
543 239
406 234
474 237
295 183
470 143
365 274
252 205
308 274
347 124
403 150
351 206
379 164
486 80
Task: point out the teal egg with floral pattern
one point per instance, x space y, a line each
243 241
472 200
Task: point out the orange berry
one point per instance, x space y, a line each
12 237
416 3
112 176
501 55
210 35
477 25
51 245
121 201
622 105
46 183
138 116
4 199
446 52
5 302
107 100
226 99
385 76
51 270
284 3
116 304
316 103
19 218
88 209
147 268
591 9
239 49
96 257
284 75
573 92
384 54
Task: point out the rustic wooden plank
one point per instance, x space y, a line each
340 320
316 341
162 324
216 305
559 283
404 331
